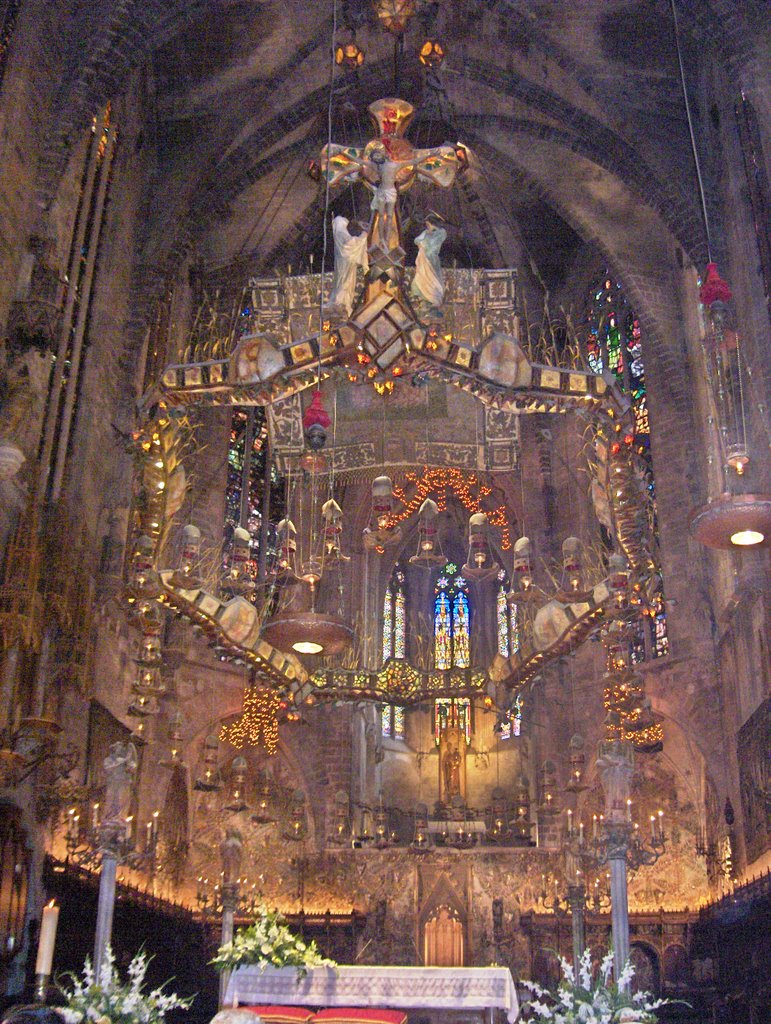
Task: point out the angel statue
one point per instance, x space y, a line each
120 766
428 283
350 253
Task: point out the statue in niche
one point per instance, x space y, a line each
428 283
120 767
350 253
452 767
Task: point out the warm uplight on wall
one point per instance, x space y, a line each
746 538
307 647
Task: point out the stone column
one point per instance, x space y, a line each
616 764
231 850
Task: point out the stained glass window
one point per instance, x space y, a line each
506 619
451 711
394 646
461 653
614 340
400 623
392 722
452 620
502 621
395 617
388 624
245 486
512 726
398 723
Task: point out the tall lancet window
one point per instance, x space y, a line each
614 340
512 725
506 618
395 617
392 724
452 620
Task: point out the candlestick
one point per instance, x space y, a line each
45 949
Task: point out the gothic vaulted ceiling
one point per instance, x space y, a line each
573 111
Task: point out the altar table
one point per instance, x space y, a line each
397 988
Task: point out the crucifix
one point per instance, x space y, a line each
387 166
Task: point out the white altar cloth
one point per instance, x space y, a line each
396 988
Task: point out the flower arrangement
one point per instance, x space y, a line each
103 998
269 943
591 1000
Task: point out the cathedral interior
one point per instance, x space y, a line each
383 432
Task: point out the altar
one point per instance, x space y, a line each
482 989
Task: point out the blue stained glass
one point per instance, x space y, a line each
442 632
460 631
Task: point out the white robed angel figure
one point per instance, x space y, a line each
350 253
428 282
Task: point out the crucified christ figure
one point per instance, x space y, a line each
388 165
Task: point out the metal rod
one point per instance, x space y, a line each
81 322
69 307
690 130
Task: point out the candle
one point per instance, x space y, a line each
95 815
628 810
129 827
47 941
570 822
594 826
653 826
155 824
149 835
581 831
661 824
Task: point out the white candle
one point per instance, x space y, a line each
47 941
581 831
570 822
